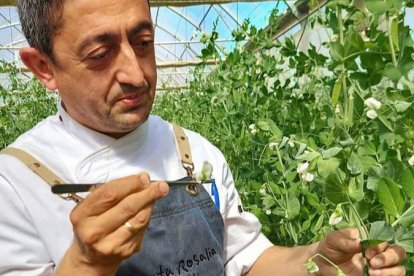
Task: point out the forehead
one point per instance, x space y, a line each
79 14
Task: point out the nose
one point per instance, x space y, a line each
130 72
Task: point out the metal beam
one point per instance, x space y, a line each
290 20
183 3
176 64
163 3
8 2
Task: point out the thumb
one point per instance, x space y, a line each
345 241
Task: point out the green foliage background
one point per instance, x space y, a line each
306 107
309 107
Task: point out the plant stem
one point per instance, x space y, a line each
326 259
389 28
343 69
362 229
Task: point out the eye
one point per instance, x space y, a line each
100 55
143 45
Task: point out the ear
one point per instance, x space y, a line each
40 65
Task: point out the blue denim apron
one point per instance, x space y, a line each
185 237
185 234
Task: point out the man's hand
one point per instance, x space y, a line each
102 240
343 248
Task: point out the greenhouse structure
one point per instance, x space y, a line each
308 106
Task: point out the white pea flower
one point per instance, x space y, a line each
205 173
336 216
337 109
308 177
214 100
311 266
291 144
262 191
253 129
303 168
268 212
411 161
334 38
373 103
372 114
273 145
303 172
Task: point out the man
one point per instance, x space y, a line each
99 55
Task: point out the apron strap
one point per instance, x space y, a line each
184 149
40 169
52 179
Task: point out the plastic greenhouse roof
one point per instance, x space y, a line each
178 31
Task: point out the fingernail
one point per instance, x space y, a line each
377 262
163 188
369 253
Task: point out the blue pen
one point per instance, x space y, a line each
214 192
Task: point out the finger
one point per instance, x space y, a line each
131 208
107 235
391 271
345 240
375 250
118 245
392 256
109 194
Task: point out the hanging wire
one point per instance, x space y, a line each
303 32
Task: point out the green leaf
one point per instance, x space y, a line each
293 207
337 51
407 182
402 106
392 72
370 148
380 230
405 237
390 197
325 167
365 244
336 190
353 42
378 7
308 156
345 138
356 188
312 199
407 218
354 164
263 125
367 162
329 153
336 91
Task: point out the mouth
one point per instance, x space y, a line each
131 100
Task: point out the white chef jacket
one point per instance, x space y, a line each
35 230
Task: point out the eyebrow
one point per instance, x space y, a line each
106 37
145 25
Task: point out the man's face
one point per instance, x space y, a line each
105 63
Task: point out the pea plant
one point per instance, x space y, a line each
321 138
23 103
